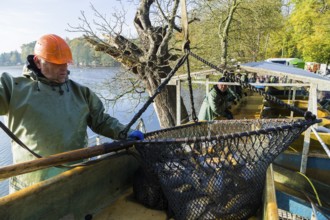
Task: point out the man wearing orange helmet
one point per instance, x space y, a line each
49 112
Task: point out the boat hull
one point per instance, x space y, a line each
75 194
318 165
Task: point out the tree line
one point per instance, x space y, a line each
241 30
223 32
255 30
82 52
220 31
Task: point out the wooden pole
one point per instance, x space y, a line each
178 102
58 159
270 211
312 106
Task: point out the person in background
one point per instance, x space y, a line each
49 112
324 99
216 103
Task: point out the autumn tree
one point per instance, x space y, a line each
224 30
149 57
257 21
310 22
216 19
240 30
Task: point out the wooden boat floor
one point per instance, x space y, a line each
125 207
249 107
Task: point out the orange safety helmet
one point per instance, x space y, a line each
53 49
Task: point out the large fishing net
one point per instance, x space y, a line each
216 170
213 170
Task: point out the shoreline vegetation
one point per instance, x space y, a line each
83 55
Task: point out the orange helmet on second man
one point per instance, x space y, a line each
53 49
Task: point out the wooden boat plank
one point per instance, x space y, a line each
294 205
248 108
72 194
270 210
316 146
297 183
318 166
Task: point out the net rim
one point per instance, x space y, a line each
295 123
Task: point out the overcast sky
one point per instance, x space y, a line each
24 21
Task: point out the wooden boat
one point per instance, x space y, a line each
103 190
286 196
81 193
292 188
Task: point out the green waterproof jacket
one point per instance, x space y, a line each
214 104
50 118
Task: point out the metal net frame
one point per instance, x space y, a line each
216 170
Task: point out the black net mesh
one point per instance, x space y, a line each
216 170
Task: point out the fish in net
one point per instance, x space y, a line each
219 171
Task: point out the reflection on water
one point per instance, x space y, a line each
91 77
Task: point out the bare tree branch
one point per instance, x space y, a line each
148 57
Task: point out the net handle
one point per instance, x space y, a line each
193 111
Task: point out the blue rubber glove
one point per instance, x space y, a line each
136 135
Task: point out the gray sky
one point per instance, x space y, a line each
24 21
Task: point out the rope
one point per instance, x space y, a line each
20 143
193 111
205 61
123 133
185 48
310 182
17 140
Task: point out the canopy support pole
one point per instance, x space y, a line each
294 89
312 106
178 102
